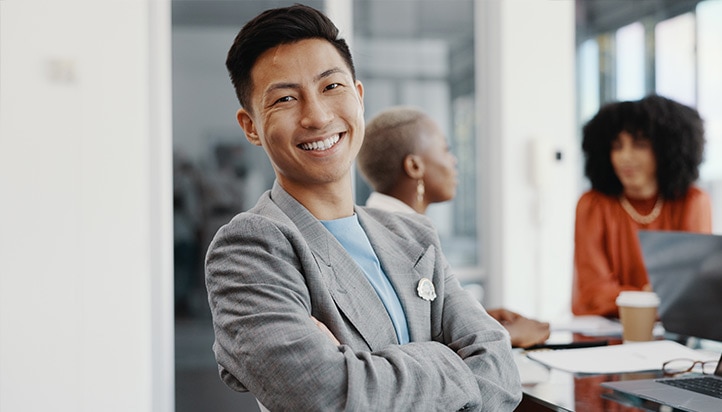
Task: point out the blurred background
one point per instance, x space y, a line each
119 140
431 54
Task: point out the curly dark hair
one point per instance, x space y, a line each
272 28
676 132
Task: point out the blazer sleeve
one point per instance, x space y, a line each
483 345
267 343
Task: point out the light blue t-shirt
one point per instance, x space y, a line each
350 234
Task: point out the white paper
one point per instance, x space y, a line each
628 357
589 325
530 372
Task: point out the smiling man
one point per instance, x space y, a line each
306 111
319 304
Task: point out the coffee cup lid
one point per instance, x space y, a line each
637 299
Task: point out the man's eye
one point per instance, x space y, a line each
284 99
333 86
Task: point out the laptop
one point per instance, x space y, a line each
694 392
685 270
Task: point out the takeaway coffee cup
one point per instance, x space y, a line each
638 313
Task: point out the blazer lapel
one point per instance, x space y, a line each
405 264
357 299
349 288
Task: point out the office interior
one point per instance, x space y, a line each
120 156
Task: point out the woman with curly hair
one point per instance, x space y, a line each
642 159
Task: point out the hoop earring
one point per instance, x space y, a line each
420 190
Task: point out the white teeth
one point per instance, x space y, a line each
321 145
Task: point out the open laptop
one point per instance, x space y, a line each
693 392
685 270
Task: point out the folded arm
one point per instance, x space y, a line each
265 306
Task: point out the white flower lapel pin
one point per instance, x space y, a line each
426 290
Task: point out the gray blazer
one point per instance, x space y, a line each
272 268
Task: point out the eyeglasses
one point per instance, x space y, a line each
678 366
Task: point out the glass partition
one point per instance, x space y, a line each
421 53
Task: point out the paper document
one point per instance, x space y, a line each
628 357
530 372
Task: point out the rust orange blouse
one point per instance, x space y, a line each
607 255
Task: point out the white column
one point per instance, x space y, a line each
86 320
525 92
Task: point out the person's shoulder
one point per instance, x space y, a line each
593 199
696 192
264 214
696 196
393 217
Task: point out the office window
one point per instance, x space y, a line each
709 94
675 60
588 72
421 53
630 62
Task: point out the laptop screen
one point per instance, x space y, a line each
685 270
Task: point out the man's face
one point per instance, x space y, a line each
307 113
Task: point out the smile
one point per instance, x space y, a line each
321 145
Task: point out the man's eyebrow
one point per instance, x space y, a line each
328 73
282 85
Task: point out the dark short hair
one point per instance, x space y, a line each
272 28
675 131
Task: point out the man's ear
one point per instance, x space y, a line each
414 166
360 92
249 128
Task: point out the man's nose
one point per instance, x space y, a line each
316 113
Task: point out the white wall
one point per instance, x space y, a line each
85 217
527 113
